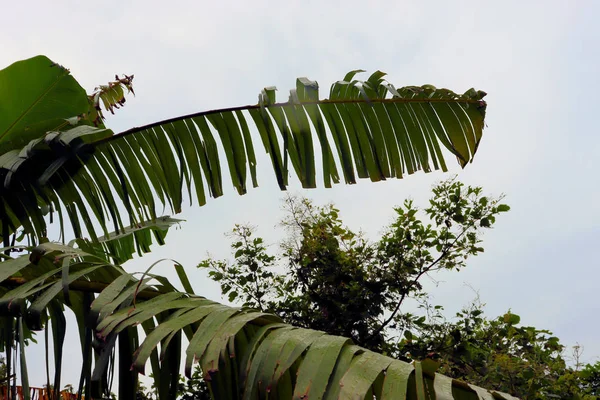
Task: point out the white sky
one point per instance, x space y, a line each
537 60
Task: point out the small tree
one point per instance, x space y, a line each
339 282
331 278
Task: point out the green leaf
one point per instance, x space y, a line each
23 360
240 351
13 266
483 394
343 363
108 295
317 366
374 136
165 328
128 316
443 387
420 384
216 316
503 208
363 372
59 328
511 319
212 352
187 286
284 351
39 305
37 96
98 180
395 383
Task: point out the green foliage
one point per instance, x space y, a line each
38 96
51 129
192 388
591 379
332 279
338 282
2 370
498 353
59 163
254 282
242 353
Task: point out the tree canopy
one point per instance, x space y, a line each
340 283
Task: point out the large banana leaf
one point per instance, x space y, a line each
366 129
37 96
244 354
63 160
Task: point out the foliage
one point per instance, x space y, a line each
242 353
192 388
59 163
332 279
251 276
379 132
498 353
338 282
590 375
2 370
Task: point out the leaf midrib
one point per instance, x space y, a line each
283 104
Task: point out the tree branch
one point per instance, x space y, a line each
421 273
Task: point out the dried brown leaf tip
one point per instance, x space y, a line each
111 95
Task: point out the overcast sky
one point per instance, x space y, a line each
537 60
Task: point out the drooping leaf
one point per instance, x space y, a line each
243 354
378 132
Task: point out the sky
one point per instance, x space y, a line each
537 60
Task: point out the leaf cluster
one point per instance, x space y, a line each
501 354
333 279
330 278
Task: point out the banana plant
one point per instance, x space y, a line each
60 163
57 157
244 354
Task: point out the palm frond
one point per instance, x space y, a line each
366 129
244 354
